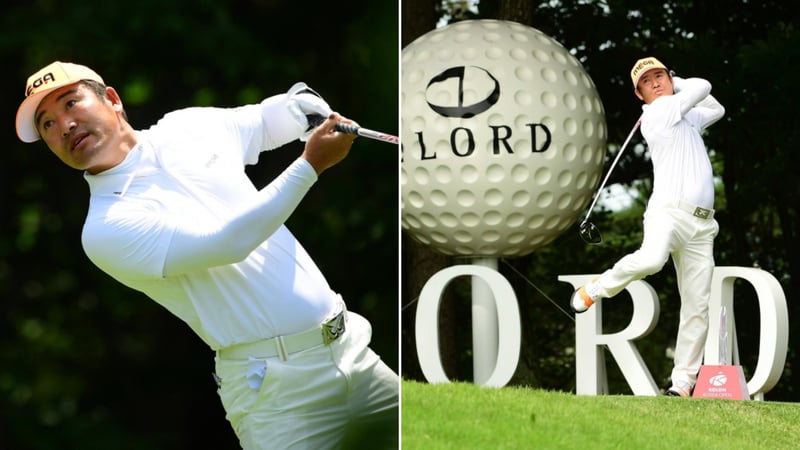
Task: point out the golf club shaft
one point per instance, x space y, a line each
316 120
610 169
352 129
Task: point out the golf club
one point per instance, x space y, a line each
315 120
589 231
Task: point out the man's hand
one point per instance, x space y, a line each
304 101
327 147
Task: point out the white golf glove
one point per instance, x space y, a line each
305 103
677 83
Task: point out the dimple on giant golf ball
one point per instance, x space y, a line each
503 136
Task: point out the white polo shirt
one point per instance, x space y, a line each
185 180
672 126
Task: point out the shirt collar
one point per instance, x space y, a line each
115 181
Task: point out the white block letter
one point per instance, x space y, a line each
590 370
508 335
774 325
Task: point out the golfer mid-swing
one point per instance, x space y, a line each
679 220
173 214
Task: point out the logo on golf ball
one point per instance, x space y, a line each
503 136
718 380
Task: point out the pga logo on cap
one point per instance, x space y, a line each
39 82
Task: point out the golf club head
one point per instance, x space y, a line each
590 233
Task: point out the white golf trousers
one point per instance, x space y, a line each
326 397
689 240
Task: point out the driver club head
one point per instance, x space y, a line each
590 233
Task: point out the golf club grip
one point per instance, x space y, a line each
346 128
316 120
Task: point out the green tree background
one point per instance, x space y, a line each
748 50
88 364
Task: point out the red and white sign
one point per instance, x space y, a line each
721 382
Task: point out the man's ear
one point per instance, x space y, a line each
113 97
638 94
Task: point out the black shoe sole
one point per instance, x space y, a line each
674 393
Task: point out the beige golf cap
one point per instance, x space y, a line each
43 82
643 66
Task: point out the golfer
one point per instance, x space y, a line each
679 219
172 214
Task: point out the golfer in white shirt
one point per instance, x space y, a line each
173 214
679 220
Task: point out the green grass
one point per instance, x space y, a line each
467 416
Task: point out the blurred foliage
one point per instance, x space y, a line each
748 52
88 364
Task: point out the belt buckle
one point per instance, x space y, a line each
701 212
333 329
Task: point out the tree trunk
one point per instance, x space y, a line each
419 263
419 17
516 11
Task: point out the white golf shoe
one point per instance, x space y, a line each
585 296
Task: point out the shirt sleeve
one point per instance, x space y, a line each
252 128
131 241
238 237
692 100
278 126
707 112
690 92
129 244
696 102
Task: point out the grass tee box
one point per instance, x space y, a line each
467 416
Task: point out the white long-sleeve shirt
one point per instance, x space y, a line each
672 126
180 221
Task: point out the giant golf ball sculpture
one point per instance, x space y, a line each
503 137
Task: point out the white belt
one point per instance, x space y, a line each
697 211
283 346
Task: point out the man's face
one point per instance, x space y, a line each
80 127
653 84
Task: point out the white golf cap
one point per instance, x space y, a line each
643 66
43 82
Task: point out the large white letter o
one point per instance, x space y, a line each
508 331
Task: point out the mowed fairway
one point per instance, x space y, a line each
466 416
